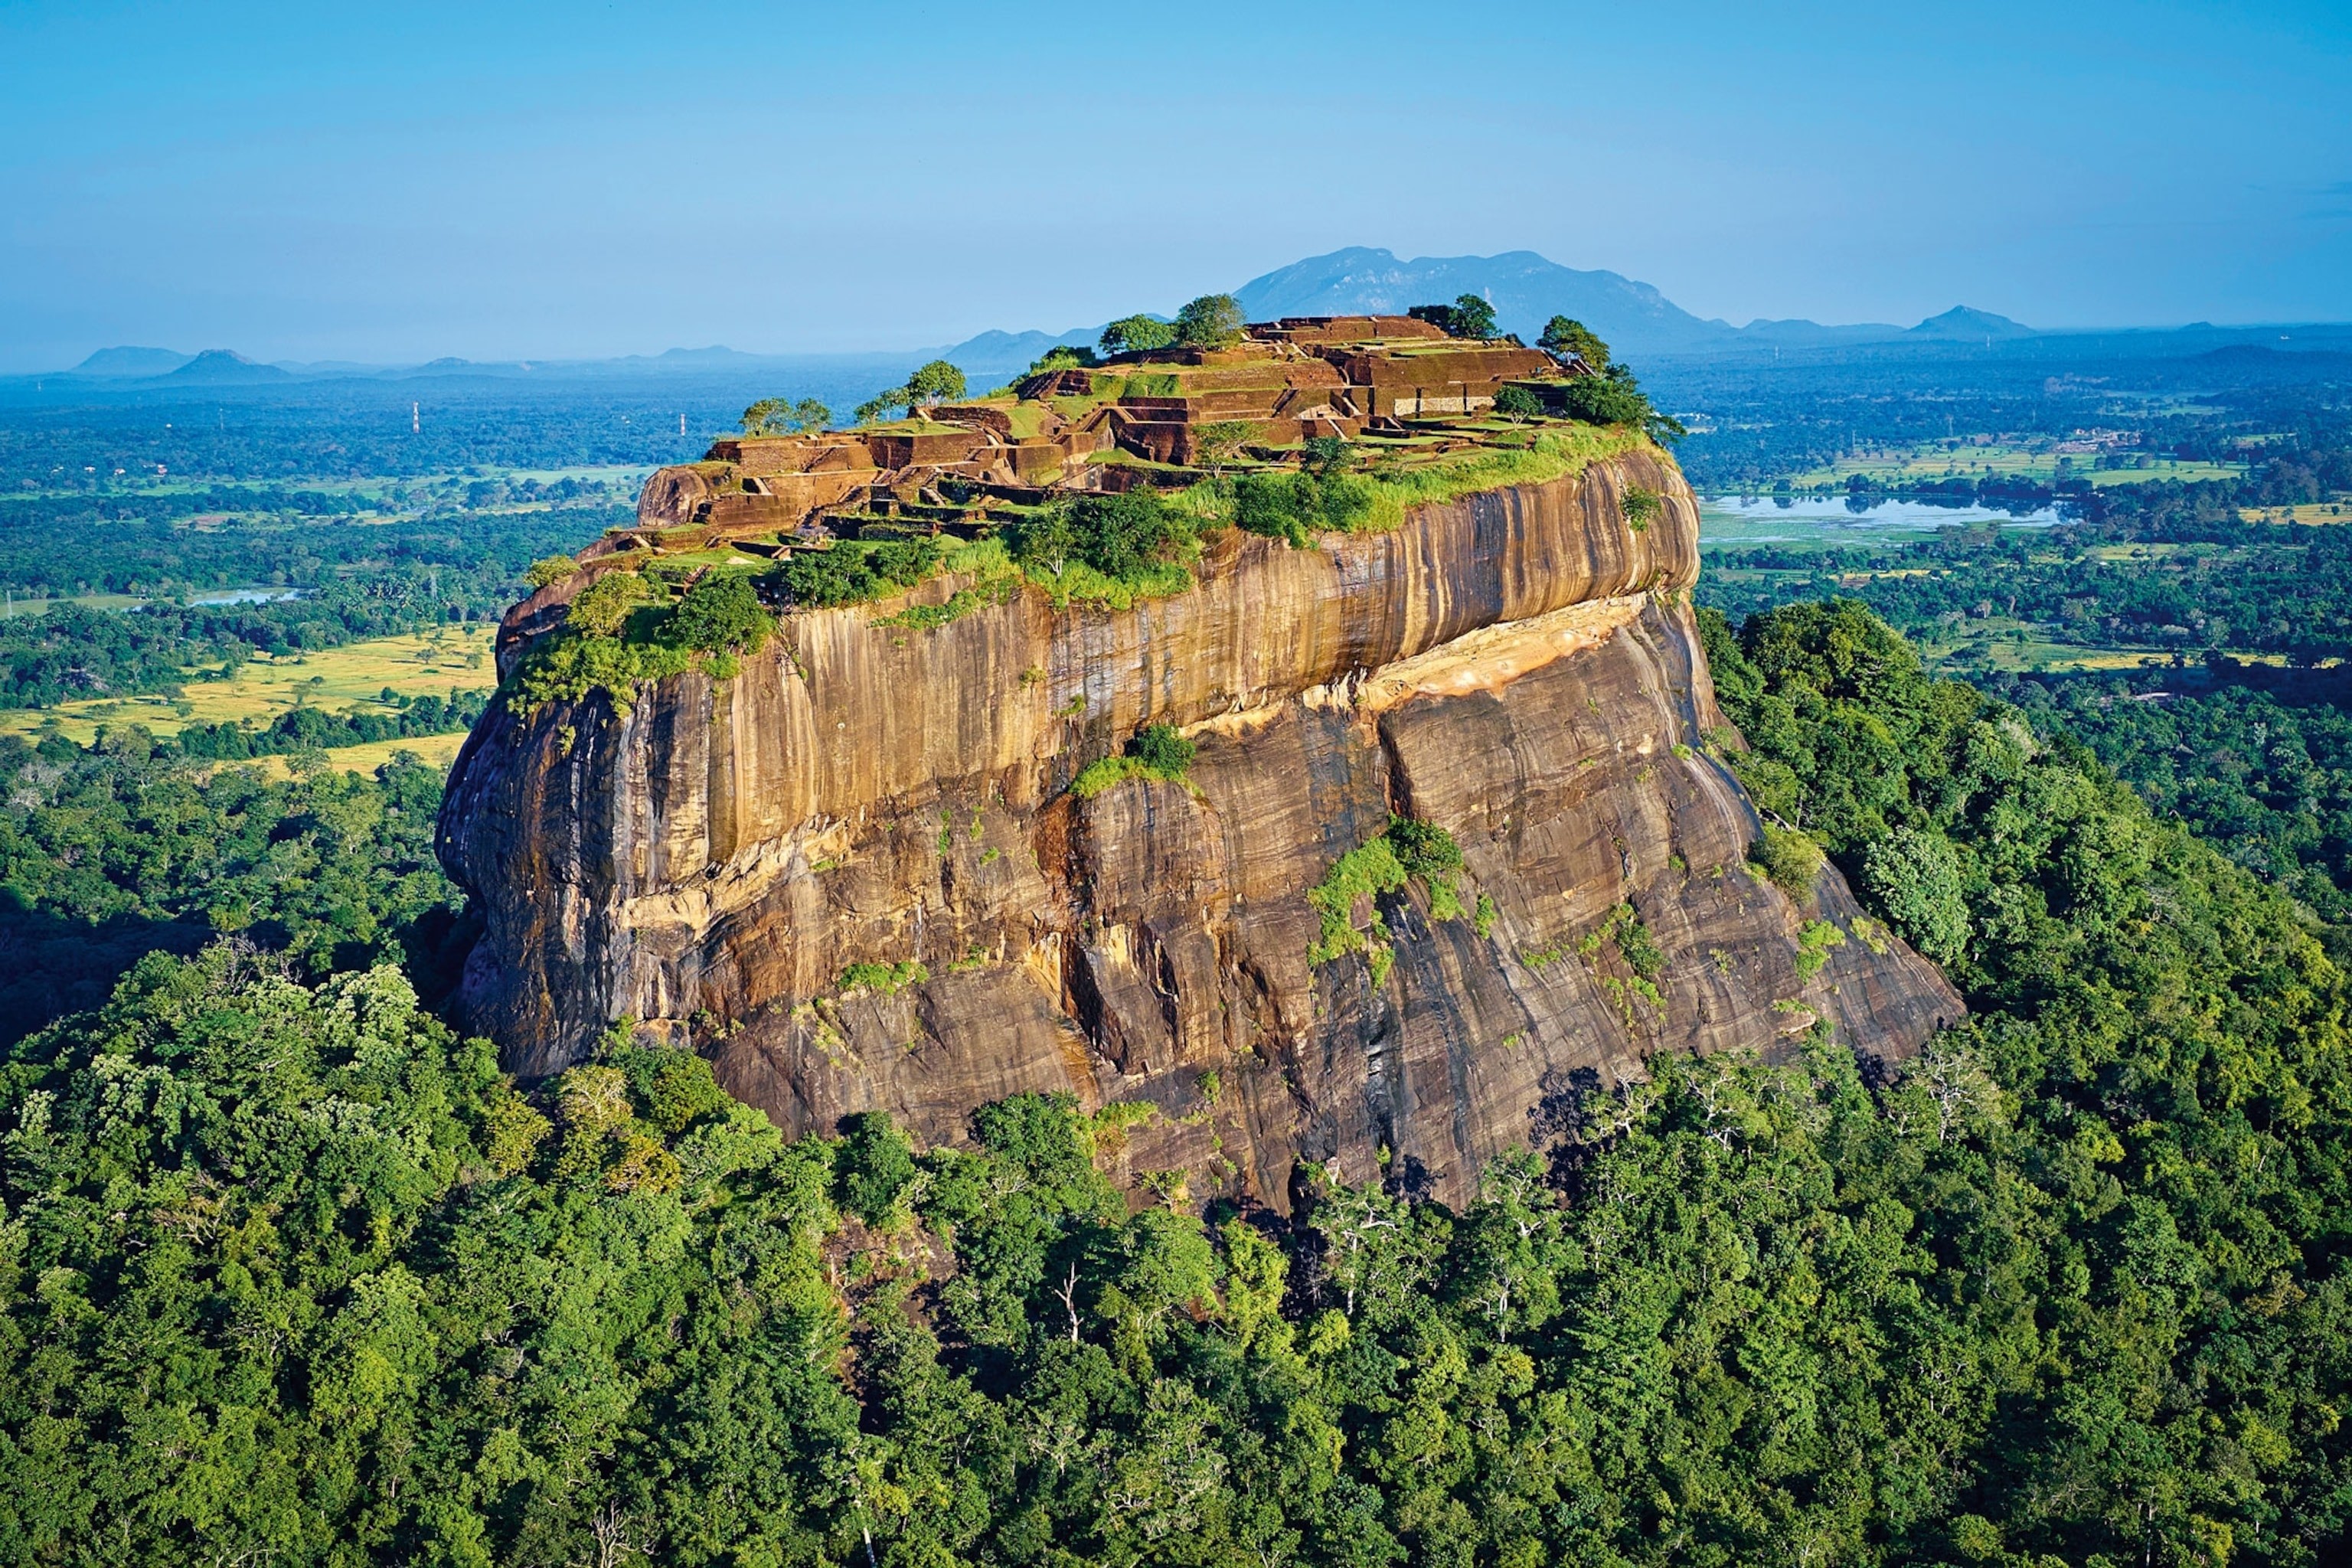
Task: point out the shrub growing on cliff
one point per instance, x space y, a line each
605 606
721 614
1299 505
1155 752
1641 507
851 573
1791 858
551 569
1406 850
1132 539
1614 398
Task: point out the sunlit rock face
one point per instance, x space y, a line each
1519 668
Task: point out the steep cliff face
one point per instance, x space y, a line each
1519 668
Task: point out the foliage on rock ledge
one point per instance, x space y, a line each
1405 851
626 629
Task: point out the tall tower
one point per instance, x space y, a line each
416 424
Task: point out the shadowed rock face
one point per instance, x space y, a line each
1518 667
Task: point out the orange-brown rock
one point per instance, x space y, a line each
1518 667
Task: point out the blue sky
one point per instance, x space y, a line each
401 182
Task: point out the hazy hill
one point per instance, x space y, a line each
221 366
1524 289
132 361
1961 323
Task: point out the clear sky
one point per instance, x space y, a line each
402 181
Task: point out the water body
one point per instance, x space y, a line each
245 596
212 598
1841 519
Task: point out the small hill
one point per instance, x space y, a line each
1525 289
224 367
132 361
997 352
1961 323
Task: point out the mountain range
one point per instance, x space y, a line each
1524 289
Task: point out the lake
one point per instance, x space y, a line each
1836 520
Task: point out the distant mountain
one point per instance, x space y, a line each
1008 351
1798 333
224 367
1962 324
131 362
1525 289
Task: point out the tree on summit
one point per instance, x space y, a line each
936 383
932 385
1567 335
778 415
1469 316
1473 317
1211 321
1136 334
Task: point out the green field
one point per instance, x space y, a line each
337 679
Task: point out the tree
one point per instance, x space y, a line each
778 415
1136 334
1614 398
551 569
935 383
1565 335
1916 879
1046 538
1517 402
1217 443
1211 321
767 417
1470 316
1473 317
1062 356
881 403
1327 457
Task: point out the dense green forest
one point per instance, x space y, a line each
108 852
290 1272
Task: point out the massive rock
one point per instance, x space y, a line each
1519 666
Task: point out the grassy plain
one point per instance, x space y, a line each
2309 512
433 750
337 679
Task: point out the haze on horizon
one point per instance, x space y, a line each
534 181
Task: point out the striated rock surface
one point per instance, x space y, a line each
1518 667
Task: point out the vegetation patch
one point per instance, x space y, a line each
1626 931
1813 944
881 979
1789 860
1155 752
1406 850
628 628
